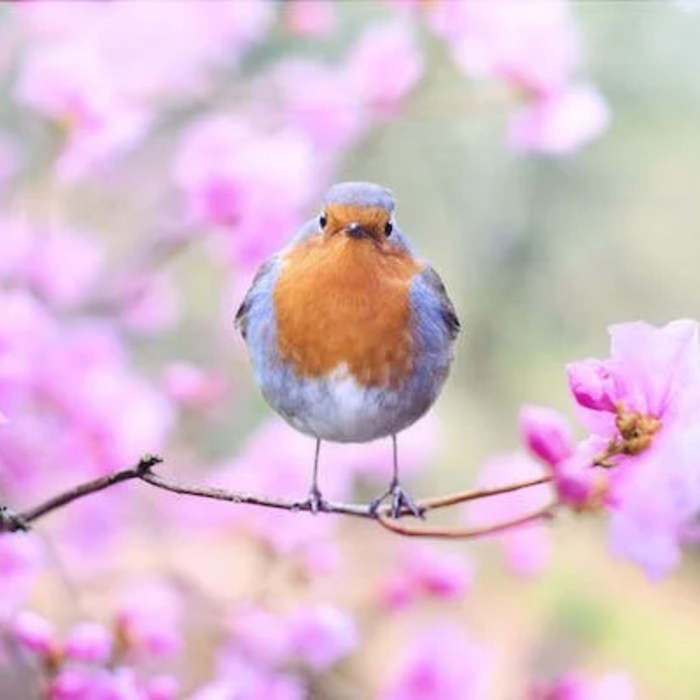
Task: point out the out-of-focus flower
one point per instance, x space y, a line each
546 433
441 662
534 46
260 635
148 619
561 122
162 688
76 683
321 635
59 264
193 386
384 66
647 395
252 684
71 84
36 633
425 569
527 548
89 642
309 17
20 561
250 183
317 99
575 685
149 302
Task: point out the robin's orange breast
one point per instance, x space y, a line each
340 301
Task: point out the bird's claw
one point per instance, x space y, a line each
401 503
314 502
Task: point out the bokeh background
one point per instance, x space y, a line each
545 158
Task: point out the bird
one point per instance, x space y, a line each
349 334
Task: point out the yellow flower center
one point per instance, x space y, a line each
635 433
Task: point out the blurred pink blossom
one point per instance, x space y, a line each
546 433
149 302
317 99
561 122
59 264
383 66
192 386
36 633
162 688
426 570
525 554
148 618
250 183
646 432
20 562
312 18
321 635
440 662
89 642
578 686
260 635
75 683
534 46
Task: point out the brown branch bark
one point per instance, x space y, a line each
12 522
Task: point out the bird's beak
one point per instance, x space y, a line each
355 230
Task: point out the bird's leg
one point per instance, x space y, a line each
399 498
314 500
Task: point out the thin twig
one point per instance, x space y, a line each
11 522
464 533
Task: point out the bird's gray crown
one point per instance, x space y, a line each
361 194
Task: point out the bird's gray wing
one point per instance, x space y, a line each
429 285
241 319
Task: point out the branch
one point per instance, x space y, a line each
13 522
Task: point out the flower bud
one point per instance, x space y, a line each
592 384
89 642
546 433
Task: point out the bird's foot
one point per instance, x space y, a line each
314 502
401 503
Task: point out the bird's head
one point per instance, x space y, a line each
361 211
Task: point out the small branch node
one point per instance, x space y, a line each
147 462
10 521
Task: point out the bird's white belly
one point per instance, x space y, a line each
336 408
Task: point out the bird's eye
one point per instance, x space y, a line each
322 220
388 228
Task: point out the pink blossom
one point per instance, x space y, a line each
440 662
428 570
592 384
525 554
321 635
94 684
649 439
560 123
36 633
162 688
546 433
531 45
193 386
253 684
149 302
315 98
89 642
20 562
384 66
252 184
310 18
72 85
575 685
260 636
148 618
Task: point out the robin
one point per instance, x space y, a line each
350 336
